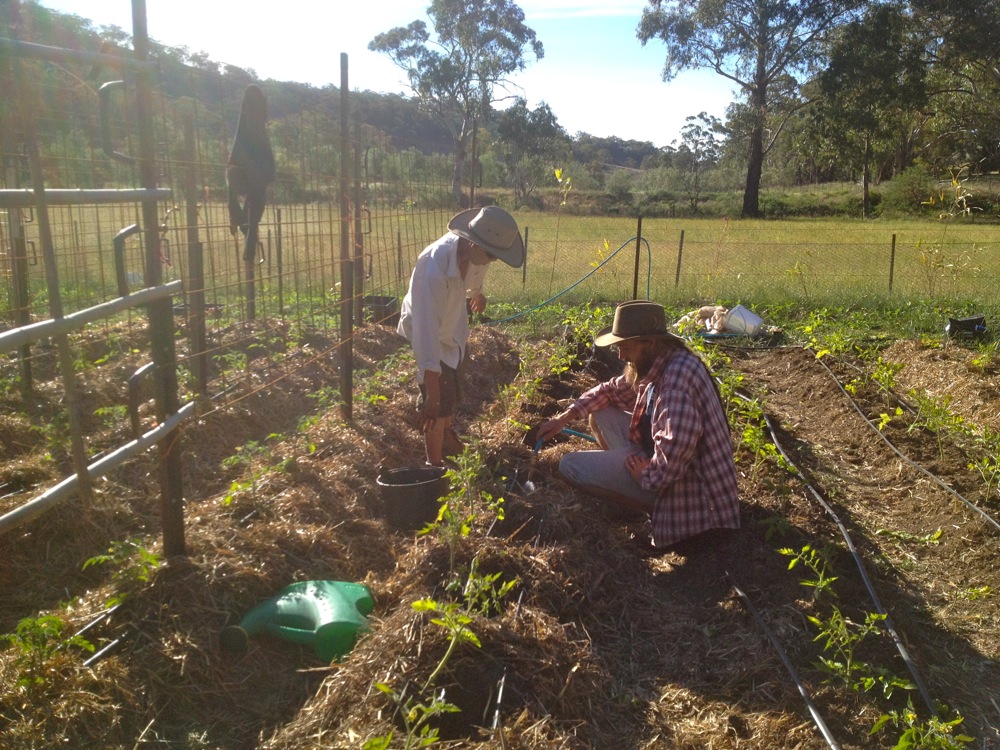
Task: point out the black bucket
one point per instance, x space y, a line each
972 326
410 495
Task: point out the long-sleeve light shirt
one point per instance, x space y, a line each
434 317
692 470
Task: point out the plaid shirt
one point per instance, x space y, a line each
692 470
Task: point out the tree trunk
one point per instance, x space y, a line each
866 174
456 180
755 166
755 161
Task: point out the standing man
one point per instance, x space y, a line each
662 428
447 282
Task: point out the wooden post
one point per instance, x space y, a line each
680 254
196 264
280 261
359 234
892 262
346 261
524 266
161 314
635 275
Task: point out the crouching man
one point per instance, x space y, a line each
662 428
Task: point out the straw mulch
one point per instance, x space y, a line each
595 646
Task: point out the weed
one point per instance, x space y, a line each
976 593
111 416
932 538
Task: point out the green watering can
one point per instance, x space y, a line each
326 615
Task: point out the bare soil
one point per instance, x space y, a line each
597 646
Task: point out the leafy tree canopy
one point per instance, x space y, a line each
457 76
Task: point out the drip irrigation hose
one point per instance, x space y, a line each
887 621
813 711
649 276
497 727
583 435
937 480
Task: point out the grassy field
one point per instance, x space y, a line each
571 260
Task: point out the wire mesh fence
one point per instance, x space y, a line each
349 199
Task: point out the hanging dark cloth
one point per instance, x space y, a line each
250 169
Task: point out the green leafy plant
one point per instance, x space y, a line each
327 398
466 504
256 458
37 640
391 374
975 593
112 415
933 734
798 272
133 563
841 638
884 419
483 593
747 418
822 582
935 416
988 465
775 525
417 711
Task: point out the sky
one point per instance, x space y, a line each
596 76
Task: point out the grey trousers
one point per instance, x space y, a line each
606 468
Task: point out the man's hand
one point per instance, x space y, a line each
548 430
635 465
432 399
477 303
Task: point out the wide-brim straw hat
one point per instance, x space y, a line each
492 229
633 320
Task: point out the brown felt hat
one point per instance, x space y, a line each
633 320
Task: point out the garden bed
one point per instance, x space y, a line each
594 645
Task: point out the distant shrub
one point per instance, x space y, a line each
801 204
908 192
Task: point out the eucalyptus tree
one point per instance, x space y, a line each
872 88
753 43
699 151
963 83
529 145
459 75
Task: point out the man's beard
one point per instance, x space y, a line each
637 369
